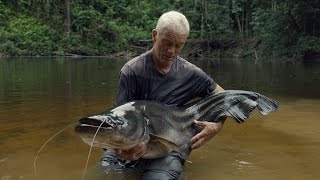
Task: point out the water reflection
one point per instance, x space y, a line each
40 96
290 80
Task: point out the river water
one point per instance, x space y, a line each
41 96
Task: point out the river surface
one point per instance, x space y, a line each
41 96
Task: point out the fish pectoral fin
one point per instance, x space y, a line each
165 142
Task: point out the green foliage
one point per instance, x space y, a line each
269 27
209 20
279 27
99 27
26 36
86 21
4 14
308 44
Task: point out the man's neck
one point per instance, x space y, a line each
162 68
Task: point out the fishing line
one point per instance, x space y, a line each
86 167
37 155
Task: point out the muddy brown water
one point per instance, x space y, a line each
40 96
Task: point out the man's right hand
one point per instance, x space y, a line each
133 154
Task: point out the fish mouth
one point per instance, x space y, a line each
98 131
94 123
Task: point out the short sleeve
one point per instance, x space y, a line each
203 83
127 87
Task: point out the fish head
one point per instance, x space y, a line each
121 128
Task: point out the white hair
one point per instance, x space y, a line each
174 21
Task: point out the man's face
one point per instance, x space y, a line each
168 44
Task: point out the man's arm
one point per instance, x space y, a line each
209 129
218 89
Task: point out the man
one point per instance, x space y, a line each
161 75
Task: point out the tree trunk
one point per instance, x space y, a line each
247 18
243 17
68 17
314 23
239 23
202 19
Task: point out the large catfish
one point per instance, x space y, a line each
165 128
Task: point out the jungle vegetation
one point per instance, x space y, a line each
286 28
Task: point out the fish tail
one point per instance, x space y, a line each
266 105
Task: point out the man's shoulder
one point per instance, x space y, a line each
136 63
138 59
183 61
184 64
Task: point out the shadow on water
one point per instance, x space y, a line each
40 96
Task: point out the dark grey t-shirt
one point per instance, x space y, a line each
139 80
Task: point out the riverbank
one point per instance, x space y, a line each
225 48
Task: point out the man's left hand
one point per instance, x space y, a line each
209 130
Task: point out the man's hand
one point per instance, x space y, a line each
133 154
209 130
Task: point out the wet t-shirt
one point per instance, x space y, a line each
139 80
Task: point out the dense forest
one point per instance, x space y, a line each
241 28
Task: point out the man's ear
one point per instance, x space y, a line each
154 35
